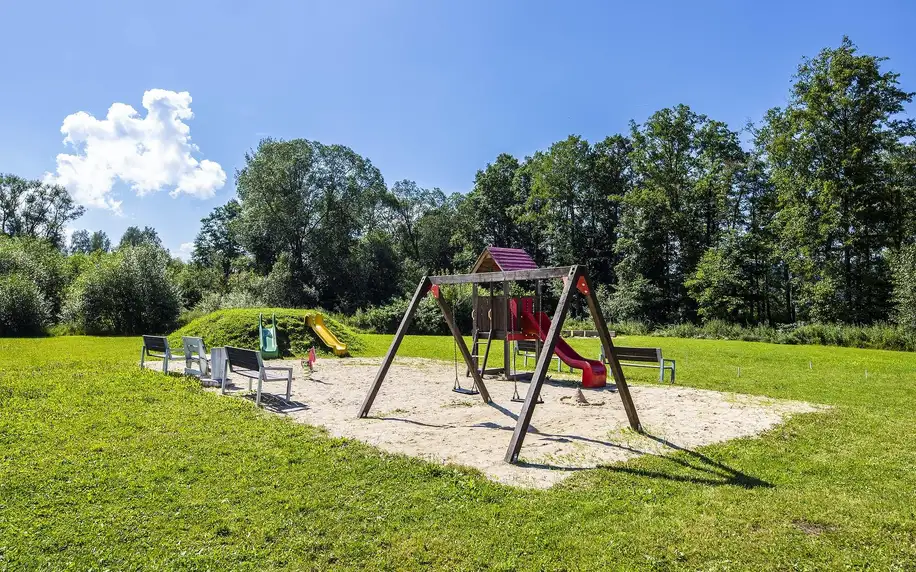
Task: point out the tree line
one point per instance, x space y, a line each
805 216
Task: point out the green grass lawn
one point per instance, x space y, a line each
103 466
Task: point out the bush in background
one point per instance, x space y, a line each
903 267
23 309
44 265
128 291
427 320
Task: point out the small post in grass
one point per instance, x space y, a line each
810 365
739 371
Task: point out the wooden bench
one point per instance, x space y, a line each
156 347
529 349
248 363
644 357
195 351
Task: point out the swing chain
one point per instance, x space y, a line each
457 385
515 395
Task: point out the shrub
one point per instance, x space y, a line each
23 309
427 320
195 282
126 292
903 267
43 264
213 301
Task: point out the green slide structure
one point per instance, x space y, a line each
268 337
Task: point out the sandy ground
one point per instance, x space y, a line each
417 414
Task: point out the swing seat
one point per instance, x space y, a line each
516 398
465 391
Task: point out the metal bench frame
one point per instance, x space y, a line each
156 347
528 350
195 351
644 357
248 363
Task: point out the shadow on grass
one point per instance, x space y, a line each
713 473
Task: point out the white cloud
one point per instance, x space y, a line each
184 251
147 153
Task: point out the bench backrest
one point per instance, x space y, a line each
639 354
156 343
193 347
243 359
527 345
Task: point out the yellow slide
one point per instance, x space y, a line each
316 321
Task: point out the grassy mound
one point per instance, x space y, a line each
239 328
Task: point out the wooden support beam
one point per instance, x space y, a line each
540 370
507 345
511 276
463 348
474 307
611 354
422 289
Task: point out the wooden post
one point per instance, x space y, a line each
474 306
537 307
540 371
611 355
422 289
506 350
456 333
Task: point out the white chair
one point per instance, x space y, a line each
195 353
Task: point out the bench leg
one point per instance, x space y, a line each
142 356
257 400
225 379
165 364
661 372
672 372
289 384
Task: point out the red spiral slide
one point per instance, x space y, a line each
594 374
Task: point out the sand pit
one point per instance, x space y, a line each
417 414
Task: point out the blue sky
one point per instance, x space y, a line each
429 91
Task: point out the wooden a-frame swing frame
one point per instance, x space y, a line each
573 275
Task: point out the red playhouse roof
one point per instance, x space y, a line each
496 259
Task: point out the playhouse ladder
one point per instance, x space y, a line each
475 348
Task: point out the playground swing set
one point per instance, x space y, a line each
507 319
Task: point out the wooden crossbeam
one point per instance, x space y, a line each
611 355
511 276
422 289
540 370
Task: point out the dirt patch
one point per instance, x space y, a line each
417 414
812 528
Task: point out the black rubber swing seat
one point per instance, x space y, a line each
465 391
